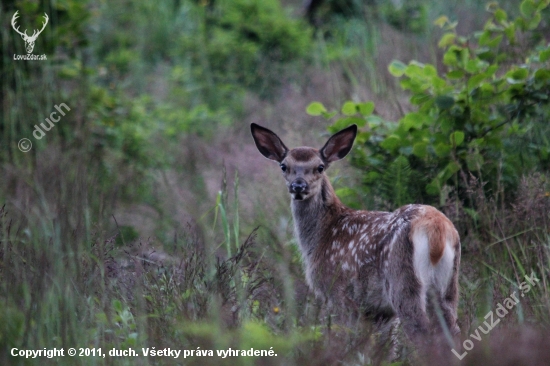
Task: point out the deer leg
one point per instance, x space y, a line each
408 299
412 314
449 299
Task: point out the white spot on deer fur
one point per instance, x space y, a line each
334 231
350 245
345 266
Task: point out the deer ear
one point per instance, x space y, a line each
268 143
339 144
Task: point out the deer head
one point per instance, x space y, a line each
29 40
303 167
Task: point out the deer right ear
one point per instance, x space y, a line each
268 143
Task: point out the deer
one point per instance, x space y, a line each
29 40
382 266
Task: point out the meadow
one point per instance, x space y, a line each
145 219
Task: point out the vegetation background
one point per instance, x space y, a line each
146 217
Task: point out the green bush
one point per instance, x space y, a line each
243 41
486 115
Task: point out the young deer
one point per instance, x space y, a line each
381 264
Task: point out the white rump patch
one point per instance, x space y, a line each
428 274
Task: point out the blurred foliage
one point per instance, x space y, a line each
410 16
205 57
245 39
485 115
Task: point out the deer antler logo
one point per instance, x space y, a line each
29 40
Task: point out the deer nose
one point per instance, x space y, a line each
299 185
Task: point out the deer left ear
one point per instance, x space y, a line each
339 144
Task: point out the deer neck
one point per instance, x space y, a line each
311 216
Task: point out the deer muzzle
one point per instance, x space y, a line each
298 189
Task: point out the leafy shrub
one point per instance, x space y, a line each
410 16
242 41
485 115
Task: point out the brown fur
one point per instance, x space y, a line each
439 230
303 154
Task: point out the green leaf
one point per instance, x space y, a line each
430 70
464 55
455 74
542 75
328 115
449 58
475 81
534 23
484 38
315 109
447 39
495 41
362 137
366 109
420 149
391 143
415 69
501 15
510 32
413 120
450 169
117 305
517 75
349 108
544 55
456 138
397 68
442 150
434 187
345 122
527 8
440 22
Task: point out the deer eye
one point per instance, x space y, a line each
283 167
321 168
